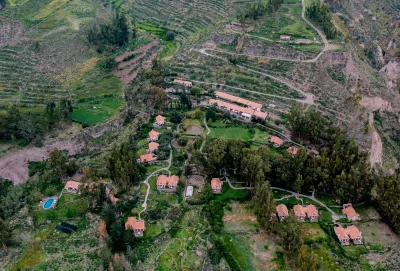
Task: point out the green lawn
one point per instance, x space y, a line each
286 21
73 209
66 197
230 194
96 110
152 230
240 251
231 133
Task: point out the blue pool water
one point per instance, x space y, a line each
48 204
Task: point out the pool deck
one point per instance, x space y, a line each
44 200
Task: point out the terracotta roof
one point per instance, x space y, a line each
299 210
216 183
353 232
311 210
164 180
281 209
72 185
276 140
102 229
292 150
153 133
341 233
153 146
350 212
238 108
183 82
113 199
260 114
173 180
232 98
160 118
133 224
146 158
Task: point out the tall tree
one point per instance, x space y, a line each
265 205
218 154
122 165
57 163
235 151
5 233
290 234
252 167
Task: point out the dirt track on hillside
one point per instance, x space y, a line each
376 146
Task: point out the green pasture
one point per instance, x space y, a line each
96 110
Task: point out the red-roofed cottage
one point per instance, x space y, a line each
282 211
350 213
72 186
276 141
160 120
167 183
153 135
137 226
216 185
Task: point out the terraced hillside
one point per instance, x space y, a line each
44 56
187 18
21 82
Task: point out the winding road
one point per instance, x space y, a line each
146 182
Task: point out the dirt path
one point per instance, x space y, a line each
146 182
376 154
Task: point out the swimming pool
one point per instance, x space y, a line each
48 204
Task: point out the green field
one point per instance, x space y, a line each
97 110
220 130
286 21
170 46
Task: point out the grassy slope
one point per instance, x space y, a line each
52 61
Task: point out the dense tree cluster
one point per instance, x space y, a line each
148 92
257 9
31 127
122 166
264 205
109 36
320 13
309 124
233 155
164 148
387 196
340 169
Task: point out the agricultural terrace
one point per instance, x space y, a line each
188 19
36 68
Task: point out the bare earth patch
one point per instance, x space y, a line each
376 146
236 218
128 70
